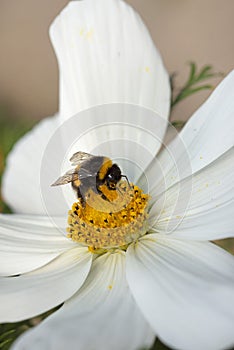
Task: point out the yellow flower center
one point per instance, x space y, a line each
113 222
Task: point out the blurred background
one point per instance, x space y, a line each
183 30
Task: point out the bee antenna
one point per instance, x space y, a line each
126 179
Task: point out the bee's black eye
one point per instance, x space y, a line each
111 177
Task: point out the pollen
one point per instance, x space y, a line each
109 223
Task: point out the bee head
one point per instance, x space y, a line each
113 176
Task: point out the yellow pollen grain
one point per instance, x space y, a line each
147 69
86 34
104 224
98 251
89 34
110 287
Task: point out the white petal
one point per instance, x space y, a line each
185 290
200 207
28 295
106 55
29 242
102 315
208 134
21 184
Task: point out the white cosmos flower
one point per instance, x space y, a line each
172 282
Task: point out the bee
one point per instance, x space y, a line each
91 172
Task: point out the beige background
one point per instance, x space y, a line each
183 30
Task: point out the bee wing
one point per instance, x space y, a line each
80 157
84 173
80 172
66 178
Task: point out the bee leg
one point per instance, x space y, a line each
100 192
104 197
80 197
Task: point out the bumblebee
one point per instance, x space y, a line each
97 173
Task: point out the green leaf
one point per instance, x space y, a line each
158 345
192 72
178 124
195 83
6 334
190 91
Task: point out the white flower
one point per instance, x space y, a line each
171 282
